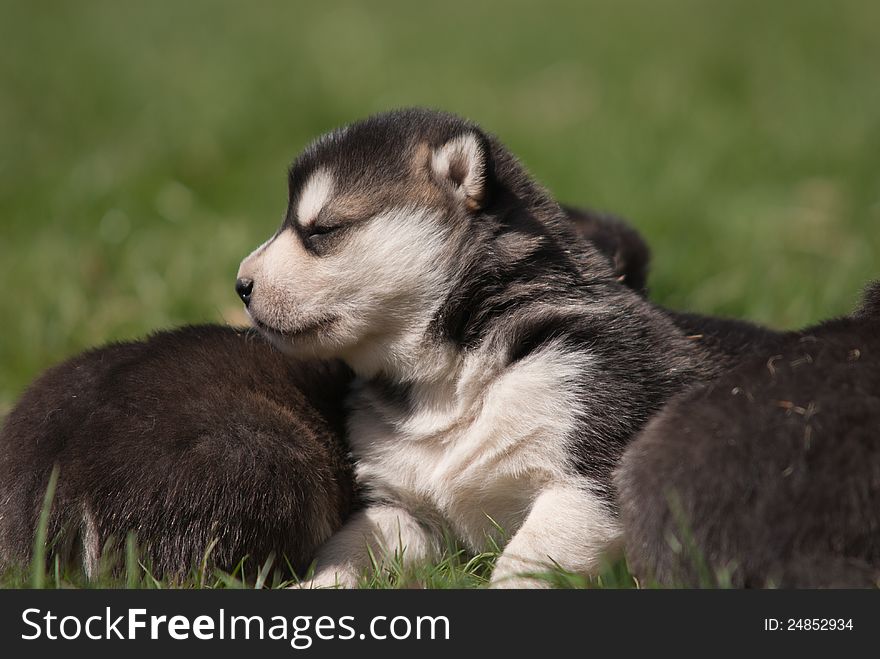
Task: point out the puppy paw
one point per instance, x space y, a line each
335 578
511 574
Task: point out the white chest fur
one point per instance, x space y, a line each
472 454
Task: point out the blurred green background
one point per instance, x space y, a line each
143 146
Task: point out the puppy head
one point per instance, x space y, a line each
623 246
377 214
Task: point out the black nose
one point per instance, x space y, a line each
244 288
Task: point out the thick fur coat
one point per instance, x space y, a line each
201 438
770 474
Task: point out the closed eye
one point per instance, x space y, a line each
321 229
318 237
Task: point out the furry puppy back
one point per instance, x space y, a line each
769 475
197 436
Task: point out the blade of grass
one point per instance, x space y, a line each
203 568
264 572
132 566
38 563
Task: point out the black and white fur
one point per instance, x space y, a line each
770 474
203 438
500 373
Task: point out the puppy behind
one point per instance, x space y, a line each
200 436
626 249
769 475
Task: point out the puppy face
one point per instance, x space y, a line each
367 251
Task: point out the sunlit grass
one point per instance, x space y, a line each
143 149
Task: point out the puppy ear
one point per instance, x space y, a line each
620 243
462 164
870 306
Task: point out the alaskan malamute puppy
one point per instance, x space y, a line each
770 474
500 372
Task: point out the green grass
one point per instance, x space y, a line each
143 145
122 566
456 570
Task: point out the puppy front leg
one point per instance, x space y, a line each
568 526
380 532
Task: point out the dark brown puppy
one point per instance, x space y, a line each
769 475
200 436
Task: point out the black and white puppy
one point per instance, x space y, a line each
770 474
500 371
204 438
